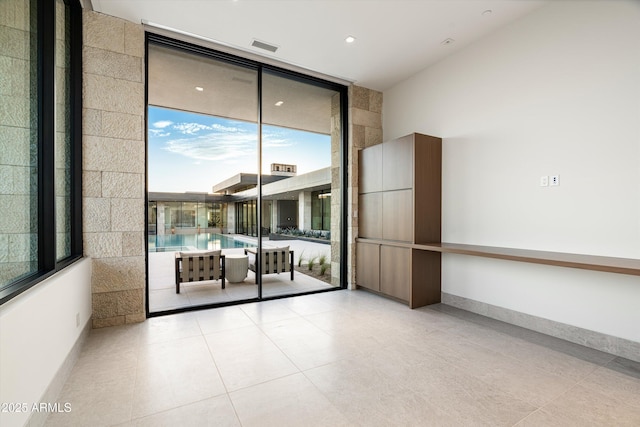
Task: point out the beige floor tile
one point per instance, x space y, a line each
268 311
288 401
308 304
111 341
174 373
96 400
369 397
247 357
167 328
620 379
463 396
530 354
581 406
214 412
222 319
523 381
304 344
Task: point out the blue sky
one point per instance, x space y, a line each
192 152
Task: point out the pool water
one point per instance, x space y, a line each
184 242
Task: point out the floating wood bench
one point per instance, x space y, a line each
628 266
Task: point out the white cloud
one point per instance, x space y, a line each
191 128
276 140
215 146
158 132
222 128
276 143
162 124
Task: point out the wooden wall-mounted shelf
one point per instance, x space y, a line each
628 266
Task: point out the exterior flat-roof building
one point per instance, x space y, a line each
289 201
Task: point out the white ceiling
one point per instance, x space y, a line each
394 38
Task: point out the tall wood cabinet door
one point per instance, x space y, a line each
397 215
395 272
370 215
370 169
368 265
397 164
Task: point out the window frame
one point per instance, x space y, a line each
46 197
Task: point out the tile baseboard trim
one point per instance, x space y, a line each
613 345
38 419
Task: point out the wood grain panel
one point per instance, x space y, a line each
368 266
428 189
629 266
370 169
397 215
426 280
395 272
397 163
370 215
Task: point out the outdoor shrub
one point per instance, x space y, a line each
322 260
311 262
323 268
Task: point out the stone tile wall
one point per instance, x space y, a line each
365 130
114 167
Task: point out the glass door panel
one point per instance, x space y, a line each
202 167
301 179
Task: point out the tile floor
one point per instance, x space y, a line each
343 359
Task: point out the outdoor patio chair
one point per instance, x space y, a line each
274 260
196 266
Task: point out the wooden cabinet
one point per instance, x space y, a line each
369 269
400 190
395 272
400 206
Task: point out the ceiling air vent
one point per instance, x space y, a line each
263 45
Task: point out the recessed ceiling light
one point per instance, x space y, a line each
279 103
350 39
199 89
487 12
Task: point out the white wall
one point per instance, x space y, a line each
37 331
557 92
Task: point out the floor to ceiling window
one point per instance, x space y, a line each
239 156
40 142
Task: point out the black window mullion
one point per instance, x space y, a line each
46 136
76 128
259 198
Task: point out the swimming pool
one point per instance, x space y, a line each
185 242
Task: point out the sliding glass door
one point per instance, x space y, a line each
244 171
301 159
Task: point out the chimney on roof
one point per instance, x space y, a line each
280 169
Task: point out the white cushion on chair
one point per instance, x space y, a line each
198 253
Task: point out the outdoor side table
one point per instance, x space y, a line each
236 268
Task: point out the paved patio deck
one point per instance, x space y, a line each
162 290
